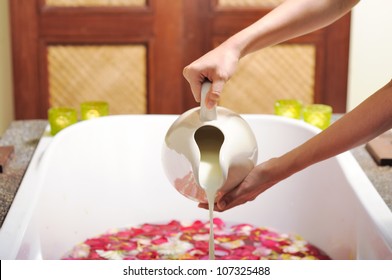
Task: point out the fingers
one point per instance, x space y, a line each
216 207
196 78
221 205
203 205
231 200
196 89
194 81
228 201
248 190
214 93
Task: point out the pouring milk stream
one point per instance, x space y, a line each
207 152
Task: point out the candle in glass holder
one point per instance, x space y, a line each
94 109
318 115
288 108
60 118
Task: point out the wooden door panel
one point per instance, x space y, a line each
114 73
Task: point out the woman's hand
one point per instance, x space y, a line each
261 178
217 66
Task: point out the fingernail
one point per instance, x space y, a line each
222 204
210 104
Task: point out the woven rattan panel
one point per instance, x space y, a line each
116 74
87 3
279 72
250 3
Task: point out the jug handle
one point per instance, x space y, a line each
205 113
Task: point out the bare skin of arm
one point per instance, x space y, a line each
290 19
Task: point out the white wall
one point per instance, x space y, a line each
371 49
6 97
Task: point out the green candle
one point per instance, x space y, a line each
318 115
94 109
288 108
60 118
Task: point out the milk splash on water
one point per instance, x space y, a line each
210 139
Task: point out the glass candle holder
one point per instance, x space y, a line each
94 109
288 108
60 118
318 115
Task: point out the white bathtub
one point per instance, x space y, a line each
107 173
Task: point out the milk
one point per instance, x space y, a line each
209 140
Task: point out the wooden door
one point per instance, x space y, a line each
132 52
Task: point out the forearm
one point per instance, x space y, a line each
371 118
291 19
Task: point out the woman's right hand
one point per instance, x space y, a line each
217 66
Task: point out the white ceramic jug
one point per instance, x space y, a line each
204 148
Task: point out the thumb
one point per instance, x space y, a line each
214 93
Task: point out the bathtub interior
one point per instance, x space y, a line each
107 173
